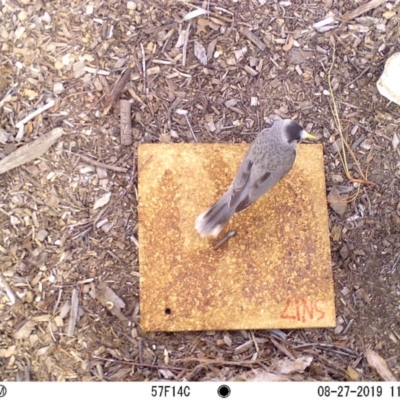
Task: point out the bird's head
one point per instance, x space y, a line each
294 133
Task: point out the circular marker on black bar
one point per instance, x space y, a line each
224 391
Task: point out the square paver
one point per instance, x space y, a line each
276 273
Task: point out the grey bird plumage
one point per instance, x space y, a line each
269 158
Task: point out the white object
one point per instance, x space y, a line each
389 83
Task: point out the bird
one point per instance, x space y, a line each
269 158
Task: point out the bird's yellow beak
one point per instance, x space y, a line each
308 136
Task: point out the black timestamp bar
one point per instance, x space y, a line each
350 391
170 391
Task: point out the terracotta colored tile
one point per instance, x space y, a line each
276 273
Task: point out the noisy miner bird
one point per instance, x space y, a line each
269 158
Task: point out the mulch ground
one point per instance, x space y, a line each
69 274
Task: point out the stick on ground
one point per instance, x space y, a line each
117 90
126 126
362 9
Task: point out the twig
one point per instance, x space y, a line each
342 152
359 76
191 129
117 90
351 322
35 113
327 347
393 270
243 363
73 313
100 164
137 364
144 68
134 240
362 9
185 44
52 333
8 290
57 301
253 38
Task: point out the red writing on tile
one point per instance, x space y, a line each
303 310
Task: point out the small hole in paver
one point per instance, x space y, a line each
168 311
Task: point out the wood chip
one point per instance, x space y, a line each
200 52
253 38
30 151
244 347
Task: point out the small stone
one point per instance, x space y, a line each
339 329
22 15
29 296
336 232
395 141
396 222
131 5
353 374
344 252
79 69
231 103
227 340
336 146
42 234
362 294
58 88
337 179
366 144
101 173
345 291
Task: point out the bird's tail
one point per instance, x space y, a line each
212 221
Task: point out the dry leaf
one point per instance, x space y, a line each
264 376
25 330
289 43
102 201
287 366
8 352
194 14
377 362
30 94
337 202
109 299
353 374
200 52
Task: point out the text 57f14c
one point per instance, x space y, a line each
170 391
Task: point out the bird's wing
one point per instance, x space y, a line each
240 181
257 187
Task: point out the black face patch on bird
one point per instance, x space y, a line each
293 132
